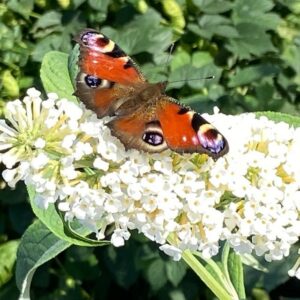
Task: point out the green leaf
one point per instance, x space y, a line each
255 11
233 272
54 222
260 294
252 103
45 45
293 5
244 6
201 58
154 72
10 84
195 77
268 21
251 261
277 271
175 271
253 73
235 268
156 274
100 5
26 82
51 18
134 38
206 21
252 40
201 74
225 31
265 91
196 101
77 3
211 275
280 117
210 25
8 252
177 295
213 6
291 56
38 245
55 75
73 64
22 7
215 91
179 59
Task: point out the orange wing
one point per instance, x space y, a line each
167 124
186 131
106 74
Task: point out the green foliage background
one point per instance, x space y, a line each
251 47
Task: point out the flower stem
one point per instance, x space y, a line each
205 276
238 267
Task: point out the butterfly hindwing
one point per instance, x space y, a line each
166 124
136 123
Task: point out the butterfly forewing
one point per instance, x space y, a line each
107 75
102 58
186 131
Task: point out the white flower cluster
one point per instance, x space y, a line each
250 197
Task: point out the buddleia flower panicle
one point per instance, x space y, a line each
250 197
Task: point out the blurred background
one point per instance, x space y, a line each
250 47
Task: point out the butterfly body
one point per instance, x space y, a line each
144 117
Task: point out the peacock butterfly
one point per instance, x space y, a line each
144 117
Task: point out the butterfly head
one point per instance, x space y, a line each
163 85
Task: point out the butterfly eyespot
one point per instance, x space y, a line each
211 139
102 41
92 81
86 37
153 138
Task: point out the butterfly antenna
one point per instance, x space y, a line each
169 56
166 66
193 79
165 83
